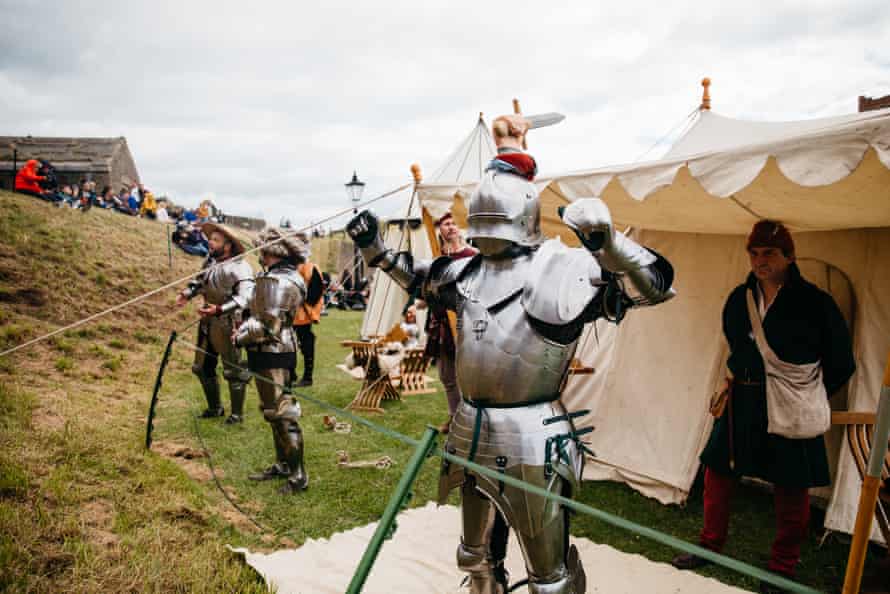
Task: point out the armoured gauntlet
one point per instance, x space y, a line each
363 229
591 221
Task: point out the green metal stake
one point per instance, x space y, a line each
169 246
398 499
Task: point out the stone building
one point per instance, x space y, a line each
107 161
873 103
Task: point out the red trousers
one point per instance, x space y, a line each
792 519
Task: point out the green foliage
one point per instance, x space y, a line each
117 343
113 363
64 364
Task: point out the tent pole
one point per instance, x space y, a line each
869 494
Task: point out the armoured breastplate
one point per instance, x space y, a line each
277 295
501 359
220 281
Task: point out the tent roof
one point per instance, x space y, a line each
725 174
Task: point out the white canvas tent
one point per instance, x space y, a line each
827 179
464 165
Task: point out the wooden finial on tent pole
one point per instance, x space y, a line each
706 94
417 173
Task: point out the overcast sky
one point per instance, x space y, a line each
267 108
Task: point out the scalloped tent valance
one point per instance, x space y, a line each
724 174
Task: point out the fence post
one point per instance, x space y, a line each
396 501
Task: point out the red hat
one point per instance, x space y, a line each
768 233
443 218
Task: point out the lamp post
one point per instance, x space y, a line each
354 190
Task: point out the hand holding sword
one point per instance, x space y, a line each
509 130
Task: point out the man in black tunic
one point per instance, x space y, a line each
802 325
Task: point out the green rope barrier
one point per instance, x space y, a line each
650 533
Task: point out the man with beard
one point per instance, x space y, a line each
226 282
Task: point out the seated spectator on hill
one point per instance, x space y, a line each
203 212
189 215
149 207
163 215
133 204
87 195
190 240
27 180
122 203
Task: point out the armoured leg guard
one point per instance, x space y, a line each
211 388
484 543
233 372
297 480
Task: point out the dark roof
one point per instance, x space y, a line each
80 154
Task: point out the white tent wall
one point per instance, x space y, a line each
387 299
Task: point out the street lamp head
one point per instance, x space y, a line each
355 188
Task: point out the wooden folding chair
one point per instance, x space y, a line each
412 373
860 431
376 387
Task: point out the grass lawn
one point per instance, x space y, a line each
84 508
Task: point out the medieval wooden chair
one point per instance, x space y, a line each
860 432
376 387
412 373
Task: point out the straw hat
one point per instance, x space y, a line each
237 246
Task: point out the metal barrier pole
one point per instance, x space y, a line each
398 499
169 246
869 494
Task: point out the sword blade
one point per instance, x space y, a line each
544 119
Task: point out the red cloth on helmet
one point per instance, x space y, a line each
26 179
523 162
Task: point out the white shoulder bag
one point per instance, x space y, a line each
796 401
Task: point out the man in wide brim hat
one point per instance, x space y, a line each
226 283
209 228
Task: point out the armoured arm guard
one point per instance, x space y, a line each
196 286
649 274
400 266
250 332
241 275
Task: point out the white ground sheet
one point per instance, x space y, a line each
421 559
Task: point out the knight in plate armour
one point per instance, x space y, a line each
271 344
226 283
521 306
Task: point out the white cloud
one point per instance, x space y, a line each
269 107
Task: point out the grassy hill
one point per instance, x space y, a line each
83 506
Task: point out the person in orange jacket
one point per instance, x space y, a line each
308 313
27 181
